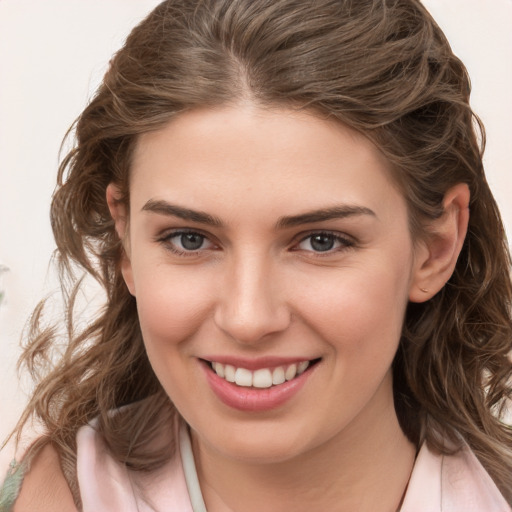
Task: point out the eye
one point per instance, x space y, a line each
324 242
186 242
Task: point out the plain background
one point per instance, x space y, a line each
52 56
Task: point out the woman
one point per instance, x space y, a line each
308 291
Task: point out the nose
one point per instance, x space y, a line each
251 305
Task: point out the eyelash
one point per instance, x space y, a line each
166 241
343 241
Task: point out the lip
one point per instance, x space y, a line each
251 399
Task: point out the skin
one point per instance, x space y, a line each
257 287
45 488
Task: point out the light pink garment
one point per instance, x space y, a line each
107 486
455 483
438 483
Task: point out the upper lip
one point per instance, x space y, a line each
256 363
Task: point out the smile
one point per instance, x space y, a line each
263 388
261 378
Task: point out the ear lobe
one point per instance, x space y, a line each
436 255
119 214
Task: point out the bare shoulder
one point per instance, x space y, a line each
45 488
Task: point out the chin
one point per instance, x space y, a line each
267 443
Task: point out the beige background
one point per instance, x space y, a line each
52 56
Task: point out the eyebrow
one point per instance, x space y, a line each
172 210
336 212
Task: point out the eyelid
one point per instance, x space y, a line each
166 235
347 241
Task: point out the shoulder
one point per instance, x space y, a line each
464 476
108 484
456 482
44 487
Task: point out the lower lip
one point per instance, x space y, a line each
251 399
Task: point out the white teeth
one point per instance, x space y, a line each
290 372
229 373
219 369
278 376
243 377
262 378
302 366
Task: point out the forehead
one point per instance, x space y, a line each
261 159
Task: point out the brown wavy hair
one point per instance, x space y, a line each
382 67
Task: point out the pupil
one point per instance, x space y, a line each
322 242
191 241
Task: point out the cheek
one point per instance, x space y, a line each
171 306
360 312
172 309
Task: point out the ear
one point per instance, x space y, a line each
119 214
436 255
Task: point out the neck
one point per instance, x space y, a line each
366 468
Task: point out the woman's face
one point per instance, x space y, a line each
266 245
